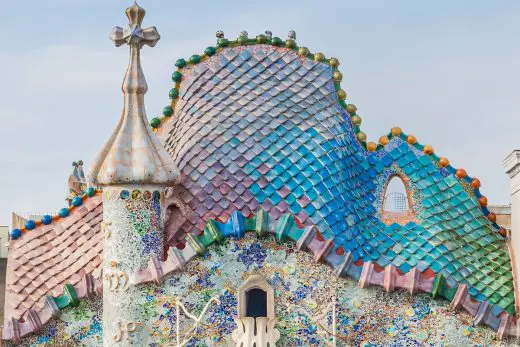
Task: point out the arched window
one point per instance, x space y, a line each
255 298
256 301
397 203
396 196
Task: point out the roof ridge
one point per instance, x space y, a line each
351 109
76 202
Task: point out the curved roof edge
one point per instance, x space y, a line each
77 201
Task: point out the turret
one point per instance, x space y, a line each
134 169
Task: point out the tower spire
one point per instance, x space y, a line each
133 154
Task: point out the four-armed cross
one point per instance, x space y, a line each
134 34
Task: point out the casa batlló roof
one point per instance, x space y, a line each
264 140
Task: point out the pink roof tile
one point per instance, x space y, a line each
43 260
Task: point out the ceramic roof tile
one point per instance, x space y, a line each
46 258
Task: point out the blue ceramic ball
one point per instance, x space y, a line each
46 220
16 233
77 201
30 224
64 212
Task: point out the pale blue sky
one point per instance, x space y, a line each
446 71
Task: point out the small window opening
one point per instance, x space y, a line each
256 303
396 196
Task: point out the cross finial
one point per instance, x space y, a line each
133 34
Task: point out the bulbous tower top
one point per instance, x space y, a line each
133 154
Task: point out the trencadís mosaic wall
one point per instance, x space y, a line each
365 317
79 326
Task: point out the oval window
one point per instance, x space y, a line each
397 205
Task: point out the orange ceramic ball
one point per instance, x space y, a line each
411 139
482 201
371 146
428 149
461 173
383 140
396 131
503 232
475 183
443 161
492 217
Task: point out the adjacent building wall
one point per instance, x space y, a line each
512 166
4 232
4 241
503 213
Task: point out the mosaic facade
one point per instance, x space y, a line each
365 317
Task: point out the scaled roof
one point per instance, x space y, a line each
262 126
265 126
43 260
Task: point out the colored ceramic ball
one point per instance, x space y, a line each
290 44
428 150
167 111
16 233
503 232
276 41
46 220
176 76
361 136
411 140
195 59
461 173
180 63
492 217
371 146
337 76
443 161
342 95
334 62
319 57
261 39
210 51
482 201
242 40
30 224
356 120
383 140
396 131
475 183
174 93
91 192
222 42
155 122
351 109
77 201
64 212
303 51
